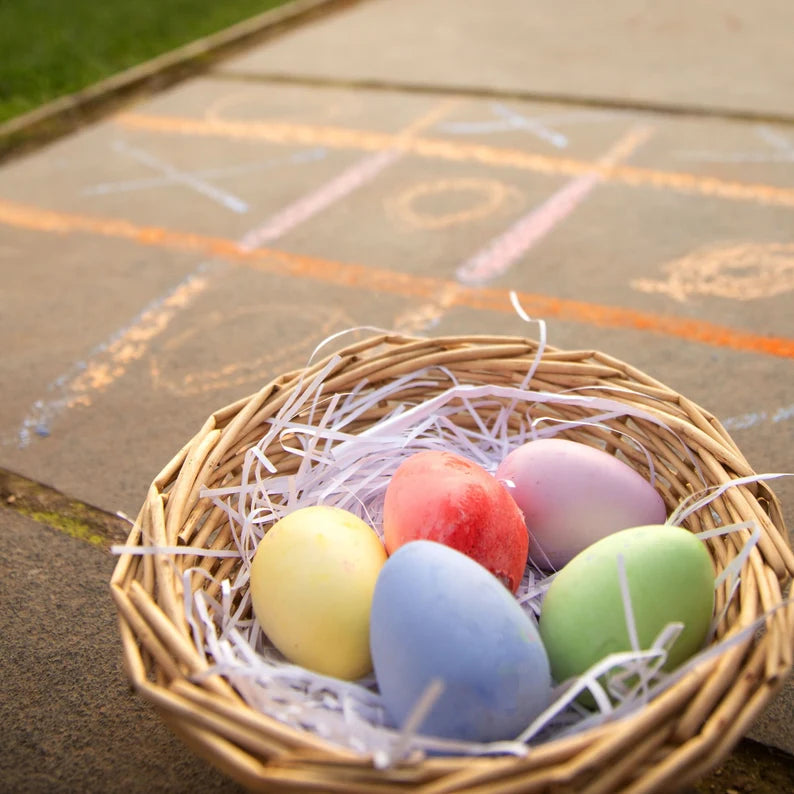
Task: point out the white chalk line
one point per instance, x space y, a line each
128 185
754 418
222 197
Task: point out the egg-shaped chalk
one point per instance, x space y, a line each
572 494
670 579
312 580
439 615
442 496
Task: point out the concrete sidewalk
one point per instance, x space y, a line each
628 170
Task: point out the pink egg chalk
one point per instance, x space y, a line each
572 495
444 497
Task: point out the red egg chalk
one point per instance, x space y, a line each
444 497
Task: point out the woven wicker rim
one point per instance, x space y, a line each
678 737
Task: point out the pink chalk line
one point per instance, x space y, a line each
498 256
308 206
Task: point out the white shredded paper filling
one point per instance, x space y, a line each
351 470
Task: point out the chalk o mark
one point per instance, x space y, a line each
164 366
488 197
743 272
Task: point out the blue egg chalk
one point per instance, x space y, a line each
438 614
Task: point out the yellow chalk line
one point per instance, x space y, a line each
434 148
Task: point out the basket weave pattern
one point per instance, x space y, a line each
670 742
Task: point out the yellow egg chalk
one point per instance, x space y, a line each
312 581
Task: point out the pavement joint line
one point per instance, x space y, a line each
408 285
73 517
344 138
63 115
517 95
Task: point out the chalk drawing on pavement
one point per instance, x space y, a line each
384 280
777 149
427 315
742 272
360 173
473 199
167 365
178 177
784 413
445 149
170 176
544 127
503 251
108 361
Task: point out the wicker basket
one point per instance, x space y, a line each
669 743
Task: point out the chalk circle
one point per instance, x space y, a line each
488 196
278 353
744 272
282 103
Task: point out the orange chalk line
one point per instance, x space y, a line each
433 148
395 283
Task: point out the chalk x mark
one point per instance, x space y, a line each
508 120
127 185
222 197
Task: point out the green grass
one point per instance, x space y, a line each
53 47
